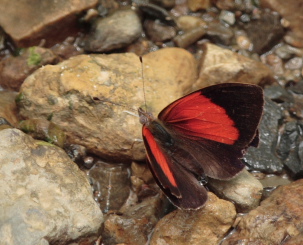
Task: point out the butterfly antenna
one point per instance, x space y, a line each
143 80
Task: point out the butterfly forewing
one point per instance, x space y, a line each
226 113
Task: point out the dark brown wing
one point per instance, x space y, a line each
179 183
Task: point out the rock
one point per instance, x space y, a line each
272 181
243 42
264 158
142 171
219 33
92 97
45 198
141 47
275 63
225 4
111 185
204 226
44 130
278 220
13 70
294 63
8 107
228 17
195 5
290 147
27 23
114 32
159 32
244 191
156 12
264 32
291 11
190 37
286 51
244 6
133 225
165 3
219 65
68 48
187 22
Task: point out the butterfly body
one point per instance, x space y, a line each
201 134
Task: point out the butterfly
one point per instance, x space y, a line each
203 134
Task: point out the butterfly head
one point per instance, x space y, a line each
145 117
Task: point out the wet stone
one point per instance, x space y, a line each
27 23
8 107
50 199
264 158
14 70
225 4
245 18
188 22
287 51
207 225
218 65
228 17
278 220
77 153
111 185
159 32
191 36
44 130
113 32
279 94
243 42
92 92
264 32
219 33
244 191
291 11
134 224
195 5
154 11
294 63
275 63
290 147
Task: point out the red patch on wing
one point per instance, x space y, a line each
196 115
158 155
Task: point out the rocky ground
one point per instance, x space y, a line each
72 160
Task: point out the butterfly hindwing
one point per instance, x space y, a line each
167 163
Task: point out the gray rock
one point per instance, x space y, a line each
114 32
244 191
264 157
228 17
44 197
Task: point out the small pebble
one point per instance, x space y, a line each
88 162
188 22
244 42
294 63
285 23
245 18
275 64
228 17
195 5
